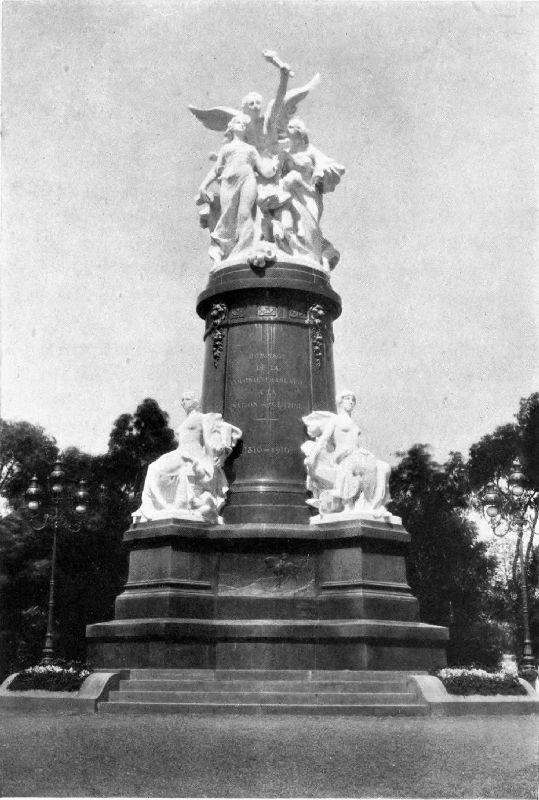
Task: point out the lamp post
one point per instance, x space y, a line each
507 509
65 514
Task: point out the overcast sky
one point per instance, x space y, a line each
432 108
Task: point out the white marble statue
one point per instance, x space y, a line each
346 481
280 202
307 174
236 169
189 482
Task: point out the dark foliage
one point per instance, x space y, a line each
528 422
470 683
91 564
493 455
135 441
448 569
528 674
62 676
491 458
25 450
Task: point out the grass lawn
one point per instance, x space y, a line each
54 754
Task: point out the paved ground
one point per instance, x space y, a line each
45 754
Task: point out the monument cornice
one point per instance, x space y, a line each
282 275
184 529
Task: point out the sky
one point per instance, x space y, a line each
432 108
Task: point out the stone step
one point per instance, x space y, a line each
264 697
269 674
246 685
118 707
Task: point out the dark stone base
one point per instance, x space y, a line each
267 597
170 644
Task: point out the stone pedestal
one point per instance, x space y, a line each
267 590
268 362
260 596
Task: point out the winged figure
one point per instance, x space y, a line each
264 129
269 194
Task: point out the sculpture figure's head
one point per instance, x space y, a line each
252 105
346 400
189 401
297 129
237 125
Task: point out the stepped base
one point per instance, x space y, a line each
265 692
330 597
254 709
268 644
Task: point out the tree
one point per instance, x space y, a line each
490 461
448 568
92 563
25 450
24 574
135 441
528 425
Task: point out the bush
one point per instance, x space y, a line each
480 642
63 676
478 681
529 675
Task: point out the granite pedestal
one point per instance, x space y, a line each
267 590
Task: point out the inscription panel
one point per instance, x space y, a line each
267 393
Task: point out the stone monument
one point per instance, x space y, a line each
264 541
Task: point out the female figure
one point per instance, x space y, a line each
307 175
189 482
341 474
235 169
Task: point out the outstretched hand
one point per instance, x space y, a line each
273 58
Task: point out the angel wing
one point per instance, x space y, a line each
328 172
216 119
290 104
316 422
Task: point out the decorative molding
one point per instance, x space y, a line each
170 583
316 321
378 587
267 311
218 315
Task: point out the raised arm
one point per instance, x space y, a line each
285 74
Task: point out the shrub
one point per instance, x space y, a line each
478 681
480 641
63 676
529 675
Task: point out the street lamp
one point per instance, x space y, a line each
506 509
66 513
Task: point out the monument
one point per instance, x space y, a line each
264 541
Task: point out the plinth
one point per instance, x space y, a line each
267 590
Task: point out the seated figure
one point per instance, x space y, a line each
189 482
341 475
